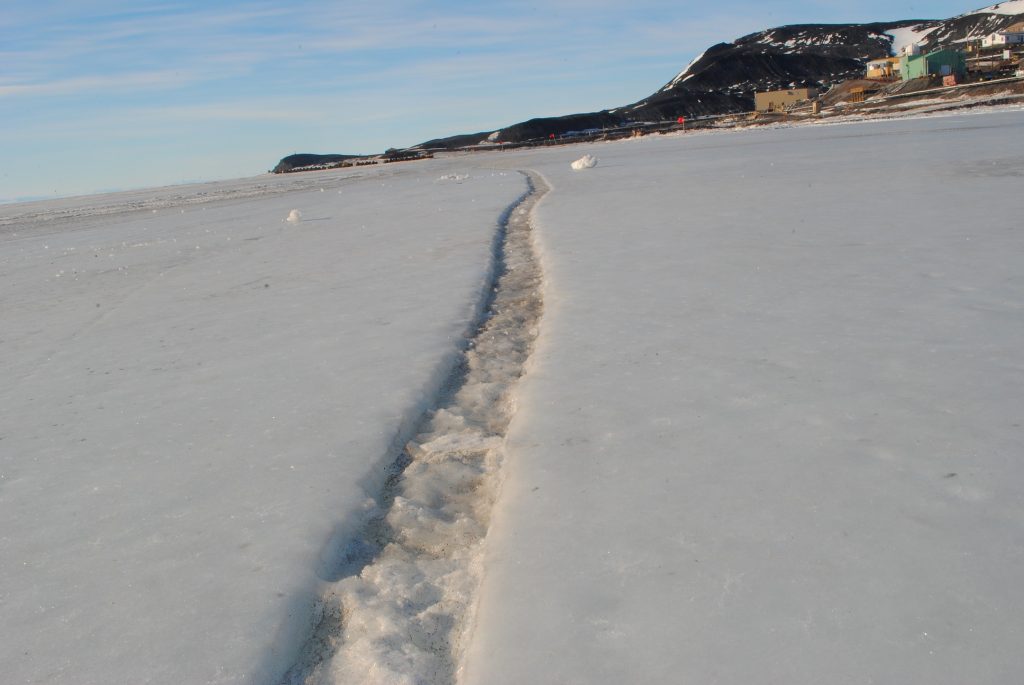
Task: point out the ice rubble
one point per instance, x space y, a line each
405 616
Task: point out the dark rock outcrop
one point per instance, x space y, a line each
305 160
463 140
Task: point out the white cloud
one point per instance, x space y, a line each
100 84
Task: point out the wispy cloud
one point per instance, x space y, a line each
253 111
134 82
157 121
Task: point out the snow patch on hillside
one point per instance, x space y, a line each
907 35
802 39
1009 8
685 74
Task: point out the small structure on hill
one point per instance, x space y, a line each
1011 35
780 100
910 50
939 62
998 54
861 93
885 69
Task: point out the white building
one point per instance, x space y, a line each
1011 35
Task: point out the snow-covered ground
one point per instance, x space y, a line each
770 431
907 35
1009 7
197 401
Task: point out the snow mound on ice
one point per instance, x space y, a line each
294 216
453 177
584 162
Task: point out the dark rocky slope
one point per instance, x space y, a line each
307 159
724 78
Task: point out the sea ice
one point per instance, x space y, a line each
188 436
771 430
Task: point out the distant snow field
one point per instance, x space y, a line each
769 431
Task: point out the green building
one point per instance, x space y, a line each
940 63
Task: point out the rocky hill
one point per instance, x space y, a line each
724 78
307 160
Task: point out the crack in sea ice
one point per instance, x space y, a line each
402 613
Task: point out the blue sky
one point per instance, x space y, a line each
109 95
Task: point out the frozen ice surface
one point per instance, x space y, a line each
196 404
771 431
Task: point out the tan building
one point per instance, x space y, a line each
887 69
778 100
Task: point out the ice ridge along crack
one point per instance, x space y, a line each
403 612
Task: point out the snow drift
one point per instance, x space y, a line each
584 162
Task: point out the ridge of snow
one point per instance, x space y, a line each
684 74
403 616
